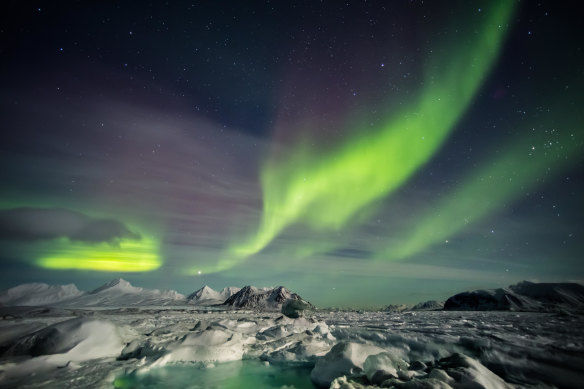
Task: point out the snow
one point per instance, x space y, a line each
431 305
411 349
294 308
118 285
384 365
569 295
212 345
78 347
397 308
228 292
38 294
204 294
116 293
80 339
61 345
120 293
343 359
207 296
265 299
467 372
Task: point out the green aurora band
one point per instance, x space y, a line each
498 182
120 255
125 255
325 190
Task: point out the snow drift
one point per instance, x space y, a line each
62 345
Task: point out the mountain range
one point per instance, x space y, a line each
120 293
524 296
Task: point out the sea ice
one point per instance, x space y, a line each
344 358
80 347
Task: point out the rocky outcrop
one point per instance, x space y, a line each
262 299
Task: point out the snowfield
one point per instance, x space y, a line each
155 347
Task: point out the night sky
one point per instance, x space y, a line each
358 152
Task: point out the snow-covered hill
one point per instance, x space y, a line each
35 294
524 296
431 305
397 308
254 298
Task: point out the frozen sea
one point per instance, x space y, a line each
187 347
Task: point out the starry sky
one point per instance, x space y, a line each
360 153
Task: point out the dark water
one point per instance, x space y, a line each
231 375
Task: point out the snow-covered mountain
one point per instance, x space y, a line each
117 285
39 294
254 298
228 292
524 296
204 294
430 305
208 296
396 308
118 293
567 294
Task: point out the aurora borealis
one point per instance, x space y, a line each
359 152
327 190
126 256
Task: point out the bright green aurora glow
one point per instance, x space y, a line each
326 190
125 255
520 168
